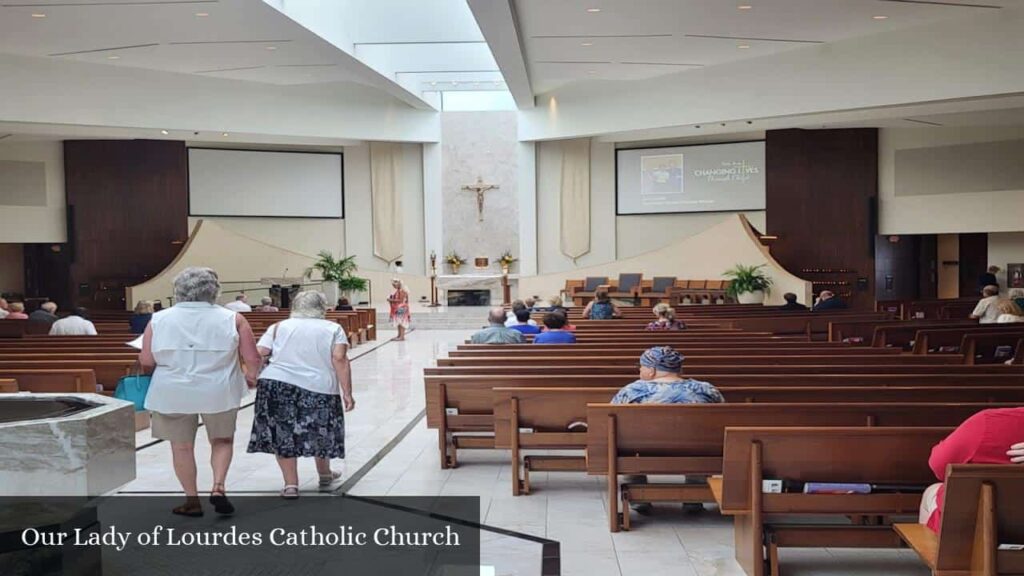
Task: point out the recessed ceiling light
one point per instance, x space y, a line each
744 7
223 133
879 17
39 15
114 57
697 126
202 14
434 83
593 10
271 47
591 72
586 44
164 132
454 83
743 46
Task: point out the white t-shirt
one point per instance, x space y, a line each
73 326
3 313
195 345
986 311
301 353
238 306
511 320
1009 319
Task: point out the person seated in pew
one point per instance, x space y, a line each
988 437
555 330
523 322
791 303
510 316
75 324
267 305
239 304
601 307
47 314
4 309
985 312
1009 312
827 300
496 332
343 305
555 304
16 311
666 319
1017 295
140 319
661 382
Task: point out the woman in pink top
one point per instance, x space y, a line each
988 437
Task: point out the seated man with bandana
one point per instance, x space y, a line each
661 383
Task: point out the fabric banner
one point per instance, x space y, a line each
386 202
575 198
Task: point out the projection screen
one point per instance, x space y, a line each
265 183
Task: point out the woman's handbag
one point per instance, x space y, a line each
134 388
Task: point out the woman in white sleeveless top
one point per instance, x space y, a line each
193 350
304 392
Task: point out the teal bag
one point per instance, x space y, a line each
133 389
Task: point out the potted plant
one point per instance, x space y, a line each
748 284
338 275
455 261
506 261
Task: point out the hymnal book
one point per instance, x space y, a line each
836 488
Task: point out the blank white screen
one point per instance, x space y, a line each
257 183
711 178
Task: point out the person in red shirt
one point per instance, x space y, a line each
989 437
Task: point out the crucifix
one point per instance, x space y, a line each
479 187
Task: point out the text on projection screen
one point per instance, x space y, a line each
259 183
711 178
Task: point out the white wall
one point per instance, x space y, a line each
967 211
612 237
12 268
303 235
32 224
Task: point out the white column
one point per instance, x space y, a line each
433 204
527 179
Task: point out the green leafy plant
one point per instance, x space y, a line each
339 270
747 279
454 259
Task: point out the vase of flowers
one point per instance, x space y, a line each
507 260
455 261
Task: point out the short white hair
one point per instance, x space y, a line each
266 301
197 284
50 307
309 304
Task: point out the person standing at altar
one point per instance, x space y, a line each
399 303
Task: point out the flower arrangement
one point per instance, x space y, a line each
507 259
454 259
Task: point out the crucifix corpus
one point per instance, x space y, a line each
479 187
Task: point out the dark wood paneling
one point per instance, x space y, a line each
896 268
973 261
928 267
129 200
821 190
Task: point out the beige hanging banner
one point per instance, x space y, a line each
386 203
575 198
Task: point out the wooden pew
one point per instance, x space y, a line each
982 510
689 352
12 329
950 340
875 455
761 359
538 418
683 439
984 347
107 372
52 379
8 385
580 370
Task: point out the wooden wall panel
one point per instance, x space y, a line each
973 261
822 186
129 201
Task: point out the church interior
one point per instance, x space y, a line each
701 287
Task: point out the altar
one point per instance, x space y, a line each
467 289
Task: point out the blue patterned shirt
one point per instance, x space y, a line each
686 391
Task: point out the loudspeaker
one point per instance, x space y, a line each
872 224
69 224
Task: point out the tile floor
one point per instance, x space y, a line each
569 508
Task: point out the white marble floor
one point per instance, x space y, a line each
567 507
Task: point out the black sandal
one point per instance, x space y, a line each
192 508
219 499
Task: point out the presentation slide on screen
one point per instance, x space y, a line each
711 178
264 183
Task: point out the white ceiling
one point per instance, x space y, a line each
627 40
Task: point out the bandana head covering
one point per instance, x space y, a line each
662 358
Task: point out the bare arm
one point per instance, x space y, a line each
146 359
339 358
586 310
251 358
616 313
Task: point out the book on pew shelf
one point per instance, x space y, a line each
899 488
1014 547
836 488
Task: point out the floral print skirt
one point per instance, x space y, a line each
292 422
